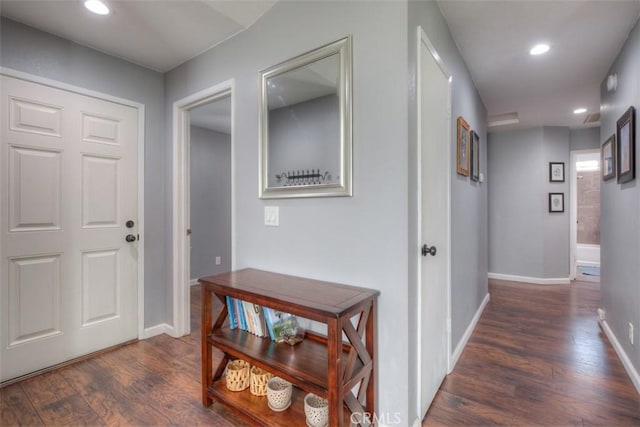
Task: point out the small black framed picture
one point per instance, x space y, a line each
475 156
556 202
626 146
556 171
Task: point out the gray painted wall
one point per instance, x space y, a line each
305 136
359 240
32 51
524 238
210 172
620 214
468 199
584 139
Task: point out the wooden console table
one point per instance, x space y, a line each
324 365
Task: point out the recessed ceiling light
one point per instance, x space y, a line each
97 7
539 49
579 110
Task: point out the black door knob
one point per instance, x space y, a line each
129 224
130 238
426 250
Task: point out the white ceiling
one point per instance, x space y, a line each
155 34
494 38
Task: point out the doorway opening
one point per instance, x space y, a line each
203 194
585 215
210 188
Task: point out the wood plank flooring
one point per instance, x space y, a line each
155 382
538 357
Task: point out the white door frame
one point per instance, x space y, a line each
573 214
141 140
181 203
422 38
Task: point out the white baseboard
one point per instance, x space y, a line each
626 362
194 282
162 328
527 279
155 330
467 334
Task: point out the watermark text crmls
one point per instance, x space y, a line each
367 418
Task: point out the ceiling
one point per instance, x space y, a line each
155 34
494 38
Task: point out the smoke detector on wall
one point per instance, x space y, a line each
612 82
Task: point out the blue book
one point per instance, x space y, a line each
233 323
241 316
269 322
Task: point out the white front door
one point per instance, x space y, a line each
68 184
434 148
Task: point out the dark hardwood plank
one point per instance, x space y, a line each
538 357
16 408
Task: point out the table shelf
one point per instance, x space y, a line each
323 365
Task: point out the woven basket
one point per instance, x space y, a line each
237 375
259 380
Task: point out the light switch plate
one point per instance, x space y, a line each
272 216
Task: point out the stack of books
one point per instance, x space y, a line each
263 322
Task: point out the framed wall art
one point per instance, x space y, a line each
556 171
475 156
556 202
609 158
462 166
626 146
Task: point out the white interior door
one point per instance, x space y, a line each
434 120
68 187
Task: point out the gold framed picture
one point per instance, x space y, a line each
464 143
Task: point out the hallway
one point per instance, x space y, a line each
538 356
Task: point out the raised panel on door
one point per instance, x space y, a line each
35 189
100 286
100 129
100 192
35 117
35 298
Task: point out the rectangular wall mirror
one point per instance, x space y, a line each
305 125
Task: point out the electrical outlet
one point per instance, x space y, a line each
631 333
272 216
218 261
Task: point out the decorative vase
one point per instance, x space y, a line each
316 410
279 394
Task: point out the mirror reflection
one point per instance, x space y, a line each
305 125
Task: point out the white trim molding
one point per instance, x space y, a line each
467 334
160 329
181 204
533 280
626 362
9 72
194 282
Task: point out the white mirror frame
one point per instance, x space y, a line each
341 47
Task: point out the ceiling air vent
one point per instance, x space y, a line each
592 118
504 119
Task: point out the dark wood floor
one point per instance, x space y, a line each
538 357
